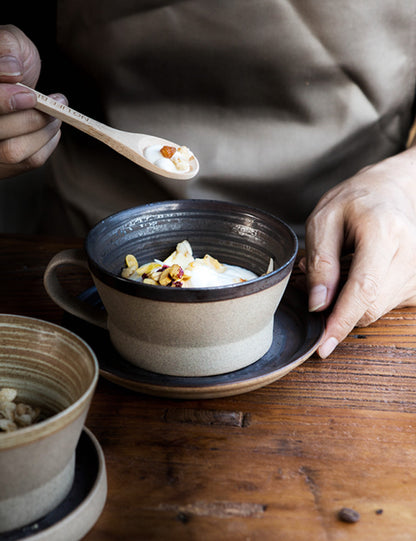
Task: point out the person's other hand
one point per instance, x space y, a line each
373 216
27 136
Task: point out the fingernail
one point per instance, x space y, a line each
59 98
327 347
302 265
317 297
9 66
23 100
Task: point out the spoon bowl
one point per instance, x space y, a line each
129 144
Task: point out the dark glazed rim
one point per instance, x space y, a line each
162 293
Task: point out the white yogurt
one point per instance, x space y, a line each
154 156
180 161
202 275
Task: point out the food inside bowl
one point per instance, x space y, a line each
170 158
14 414
181 269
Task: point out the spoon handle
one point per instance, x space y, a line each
123 142
131 145
102 132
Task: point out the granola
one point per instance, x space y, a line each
13 414
181 269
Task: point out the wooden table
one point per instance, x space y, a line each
277 463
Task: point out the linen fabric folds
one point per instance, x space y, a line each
279 99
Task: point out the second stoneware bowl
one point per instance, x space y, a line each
53 370
184 331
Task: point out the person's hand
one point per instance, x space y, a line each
373 216
27 136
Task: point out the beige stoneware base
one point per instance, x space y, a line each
75 525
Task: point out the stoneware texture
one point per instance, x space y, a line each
193 331
54 369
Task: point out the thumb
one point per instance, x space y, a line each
19 58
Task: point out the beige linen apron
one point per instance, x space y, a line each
279 99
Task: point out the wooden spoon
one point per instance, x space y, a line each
131 145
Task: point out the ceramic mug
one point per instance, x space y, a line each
184 331
55 370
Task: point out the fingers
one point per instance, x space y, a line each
33 161
324 241
27 136
17 116
14 98
379 225
17 149
19 58
342 219
359 297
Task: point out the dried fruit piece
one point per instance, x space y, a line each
167 151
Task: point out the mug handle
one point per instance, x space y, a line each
62 297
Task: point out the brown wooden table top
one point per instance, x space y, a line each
277 463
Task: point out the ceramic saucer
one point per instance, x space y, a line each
297 334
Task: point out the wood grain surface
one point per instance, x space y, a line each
277 463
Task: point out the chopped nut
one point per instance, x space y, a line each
184 247
7 426
127 272
185 153
181 158
270 266
7 410
131 261
149 281
148 268
171 274
182 255
180 164
7 395
24 410
165 277
181 269
176 272
214 263
131 268
14 416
